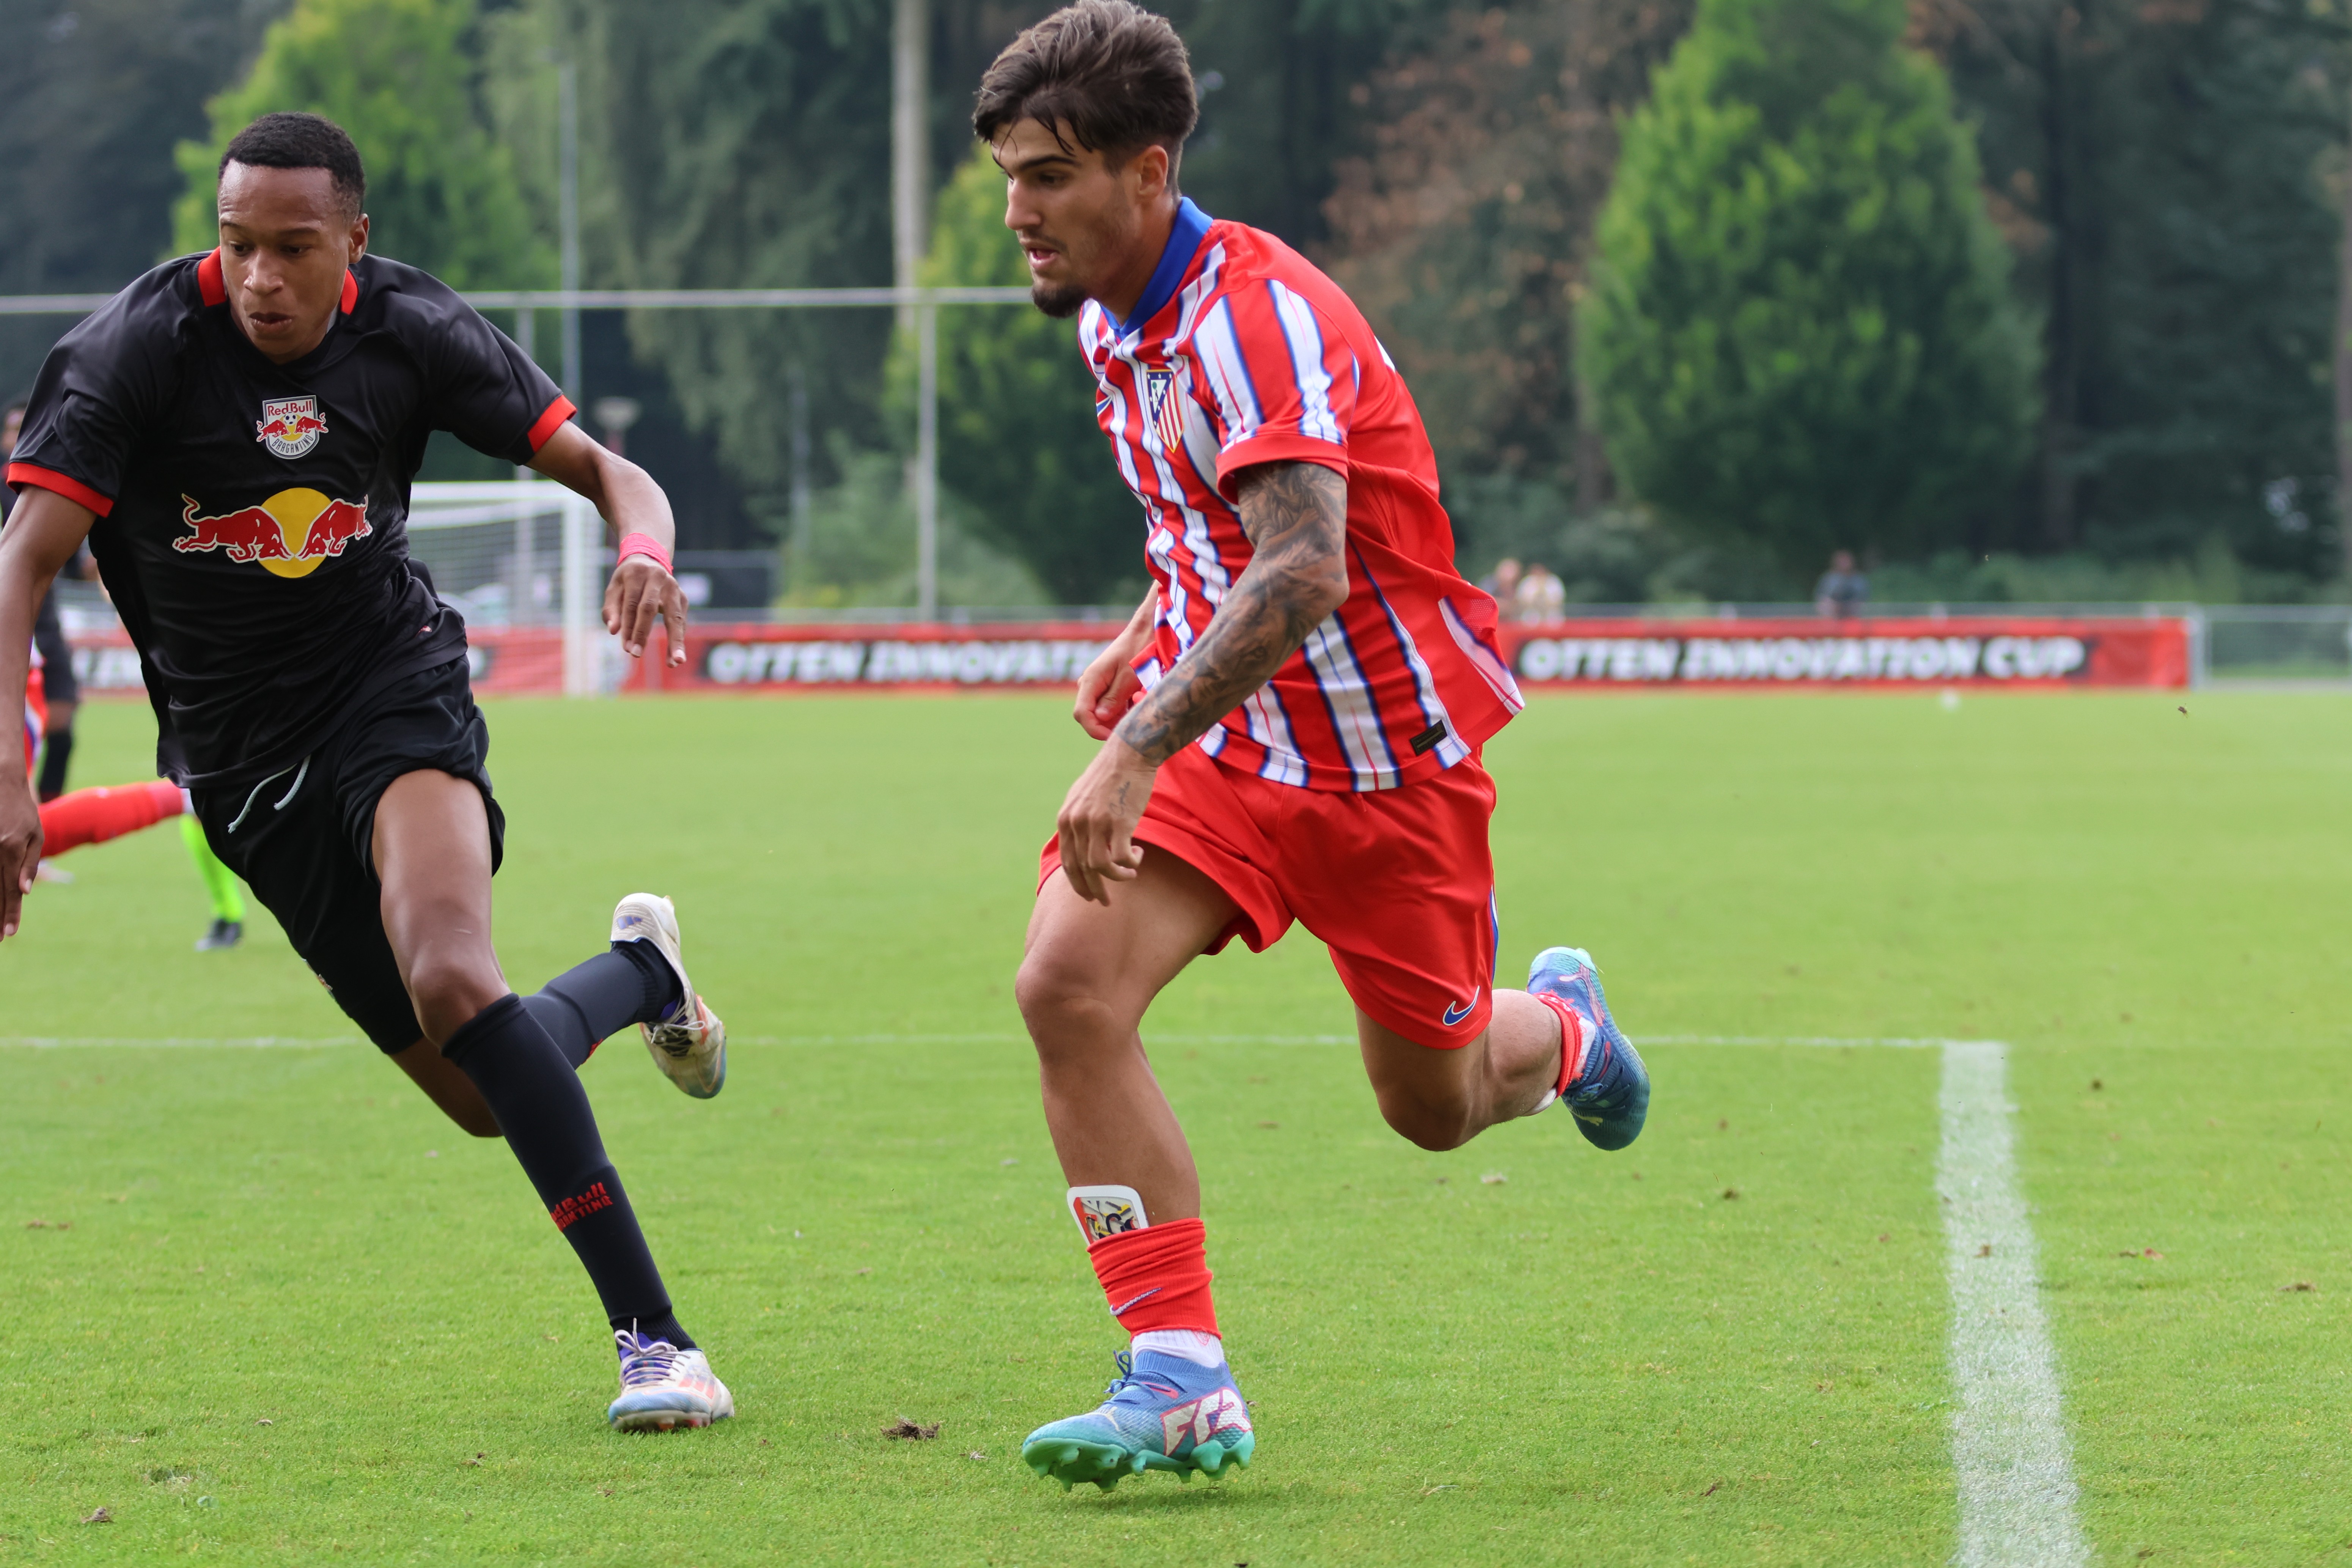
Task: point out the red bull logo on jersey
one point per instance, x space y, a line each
289 426
289 534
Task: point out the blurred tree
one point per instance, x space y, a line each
92 97
724 144
1018 440
1278 107
1800 328
2158 165
1465 234
401 76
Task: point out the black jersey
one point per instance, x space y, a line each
253 516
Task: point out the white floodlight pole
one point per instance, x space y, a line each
567 78
910 175
520 600
927 461
910 195
583 647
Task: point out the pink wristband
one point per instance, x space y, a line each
644 545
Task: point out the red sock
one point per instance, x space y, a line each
1157 1278
1571 1039
95 816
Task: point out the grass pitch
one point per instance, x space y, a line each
277 1311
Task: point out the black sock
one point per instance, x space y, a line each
56 751
630 984
543 1111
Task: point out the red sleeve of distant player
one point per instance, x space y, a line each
1281 378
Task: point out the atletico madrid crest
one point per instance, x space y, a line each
1167 407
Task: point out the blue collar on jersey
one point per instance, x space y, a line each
1183 243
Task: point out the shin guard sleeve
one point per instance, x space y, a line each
531 1088
584 1006
95 816
56 754
1157 1278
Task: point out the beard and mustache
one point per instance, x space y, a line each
1061 302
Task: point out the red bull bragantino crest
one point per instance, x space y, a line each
288 534
289 426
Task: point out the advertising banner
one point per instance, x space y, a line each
755 657
2020 652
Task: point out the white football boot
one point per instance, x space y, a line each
691 1044
664 1388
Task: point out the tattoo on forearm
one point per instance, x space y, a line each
1295 517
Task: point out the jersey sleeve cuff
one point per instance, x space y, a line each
550 421
20 475
1277 447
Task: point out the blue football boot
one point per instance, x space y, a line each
1610 1096
1161 1413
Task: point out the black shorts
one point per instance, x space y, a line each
58 682
302 839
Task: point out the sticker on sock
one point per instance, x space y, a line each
1103 1212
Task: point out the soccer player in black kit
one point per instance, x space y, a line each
235 435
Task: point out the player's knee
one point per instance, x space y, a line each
1436 1127
446 989
1060 1003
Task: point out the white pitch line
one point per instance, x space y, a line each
293 1042
2008 1441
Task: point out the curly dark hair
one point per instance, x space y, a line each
302 141
1112 74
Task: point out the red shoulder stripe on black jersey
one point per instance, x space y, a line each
550 421
351 292
208 279
73 489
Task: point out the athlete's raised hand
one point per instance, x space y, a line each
641 589
627 497
1099 816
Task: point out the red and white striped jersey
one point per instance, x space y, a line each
1241 352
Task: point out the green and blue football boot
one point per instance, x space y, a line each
1610 1096
1160 1412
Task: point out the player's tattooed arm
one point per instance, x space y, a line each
1296 516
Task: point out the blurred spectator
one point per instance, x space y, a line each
1540 594
1842 590
1503 583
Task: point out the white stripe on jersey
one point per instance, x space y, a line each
1451 749
1348 697
1219 350
1175 599
1303 334
1269 726
1189 311
1490 669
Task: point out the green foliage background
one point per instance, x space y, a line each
1018 440
1799 331
2166 177
401 75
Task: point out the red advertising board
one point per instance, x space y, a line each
2027 651
2041 652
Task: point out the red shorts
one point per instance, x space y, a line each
1398 883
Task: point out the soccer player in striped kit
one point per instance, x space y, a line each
1290 723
